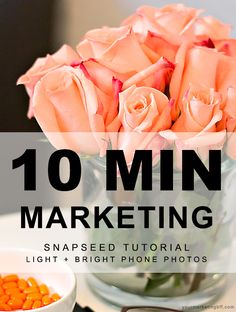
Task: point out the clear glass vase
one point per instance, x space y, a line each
173 290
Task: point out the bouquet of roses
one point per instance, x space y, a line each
164 71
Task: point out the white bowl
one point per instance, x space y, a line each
57 276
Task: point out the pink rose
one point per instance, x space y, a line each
65 56
143 112
204 66
197 65
72 111
231 139
111 83
226 46
210 27
114 48
230 107
196 127
226 75
172 22
201 111
176 22
230 121
159 47
156 76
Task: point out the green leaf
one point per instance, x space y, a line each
159 280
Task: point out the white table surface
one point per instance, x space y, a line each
87 298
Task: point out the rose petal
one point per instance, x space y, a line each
162 64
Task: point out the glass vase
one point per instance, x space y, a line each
127 286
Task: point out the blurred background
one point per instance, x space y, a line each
33 28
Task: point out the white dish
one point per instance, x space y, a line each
57 276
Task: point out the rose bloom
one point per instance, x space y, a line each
111 83
143 112
171 22
117 48
163 30
195 65
226 46
156 76
200 111
73 112
204 66
231 138
210 27
175 22
197 125
114 48
230 122
64 56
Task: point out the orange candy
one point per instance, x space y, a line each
5 307
19 294
55 297
43 289
10 278
27 305
15 303
12 291
32 282
4 299
37 304
31 290
22 284
9 285
34 296
47 300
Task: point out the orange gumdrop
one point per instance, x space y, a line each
44 289
31 290
1 291
32 282
22 284
12 291
37 304
55 297
5 307
4 298
46 300
9 285
34 296
19 296
1 281
10 278
15 303
27 305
